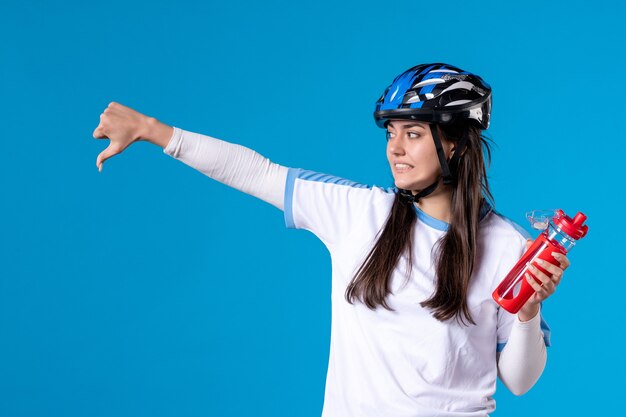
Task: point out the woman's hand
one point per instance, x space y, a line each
123 126
548 285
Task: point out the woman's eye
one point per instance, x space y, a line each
389 135
415 134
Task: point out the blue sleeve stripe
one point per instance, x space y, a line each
500 347
320 177
546 331
308 175
298 173
292 174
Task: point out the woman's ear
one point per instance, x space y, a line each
450 147
453 148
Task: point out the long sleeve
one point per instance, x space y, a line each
523 359
231 164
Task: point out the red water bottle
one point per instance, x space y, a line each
560 235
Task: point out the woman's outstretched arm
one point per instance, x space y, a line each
229 163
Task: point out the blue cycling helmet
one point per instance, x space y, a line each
437 94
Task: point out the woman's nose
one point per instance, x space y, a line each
395 147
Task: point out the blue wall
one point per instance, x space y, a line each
152 290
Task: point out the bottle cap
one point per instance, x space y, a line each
573 227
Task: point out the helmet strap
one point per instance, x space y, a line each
456 156
445 170
449 171
408 196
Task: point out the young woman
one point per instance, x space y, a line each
415 331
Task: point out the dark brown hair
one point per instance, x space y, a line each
455 250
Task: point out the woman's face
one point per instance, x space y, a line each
412 154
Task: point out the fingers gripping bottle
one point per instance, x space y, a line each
559 235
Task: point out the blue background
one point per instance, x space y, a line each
152 290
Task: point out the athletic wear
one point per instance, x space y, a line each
404 363
525 341
231 164
383 363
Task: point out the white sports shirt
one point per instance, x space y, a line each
401 363
404 363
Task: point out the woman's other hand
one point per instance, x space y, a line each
548 282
